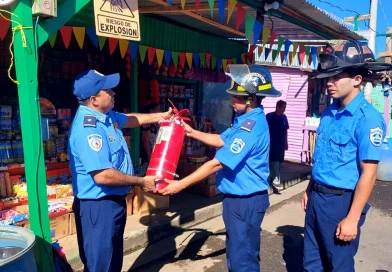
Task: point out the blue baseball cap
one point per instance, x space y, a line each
91 82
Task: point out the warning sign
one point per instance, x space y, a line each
117 19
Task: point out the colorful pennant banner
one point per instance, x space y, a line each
66 34
80 33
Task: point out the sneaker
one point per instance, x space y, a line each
278 186
275 190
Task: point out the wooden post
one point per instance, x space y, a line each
26 65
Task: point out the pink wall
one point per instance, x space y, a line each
293 83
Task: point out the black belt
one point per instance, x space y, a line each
246 196
108 197
327 190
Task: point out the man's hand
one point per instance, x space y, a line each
188 128
167 115
347 230
174 187
148 183
304 201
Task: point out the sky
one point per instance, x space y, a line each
362 7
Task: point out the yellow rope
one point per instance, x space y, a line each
20 28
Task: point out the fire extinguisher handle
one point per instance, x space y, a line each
183 118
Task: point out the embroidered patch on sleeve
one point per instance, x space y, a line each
237 146
95 141
376 136
248 125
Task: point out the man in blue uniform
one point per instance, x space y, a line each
345 161
242 165
102 172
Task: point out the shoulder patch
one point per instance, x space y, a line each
90 121
95 142
248 125
376 135
237 146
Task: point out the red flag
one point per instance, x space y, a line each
229 61
302 53
197 5
4 27
273 36
182 59
208 60
240 16
282 56
113 42
151 54
66 34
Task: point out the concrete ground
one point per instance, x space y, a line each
185 212
203 247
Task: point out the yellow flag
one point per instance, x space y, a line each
291 57
224 64
260 50
159 53
230 6
319 51
266 33
243 58
189 58
295 48
183 3
80 33
123 44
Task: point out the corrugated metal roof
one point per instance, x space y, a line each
281 26
328 20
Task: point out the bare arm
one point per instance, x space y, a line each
364 189
206 138
141 119
347 229
201 173
305 197
113 177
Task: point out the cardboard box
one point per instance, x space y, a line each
129 199
146 203
59 226
72 225
208 191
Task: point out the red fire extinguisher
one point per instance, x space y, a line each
167 149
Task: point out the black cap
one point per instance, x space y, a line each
341 56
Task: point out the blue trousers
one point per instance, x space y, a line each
322 250
100 229
243 217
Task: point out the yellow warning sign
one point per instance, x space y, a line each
117 19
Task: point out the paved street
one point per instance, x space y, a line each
282 240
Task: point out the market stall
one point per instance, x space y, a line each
181 53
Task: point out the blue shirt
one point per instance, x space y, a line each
96 143
278 126
345 138
244 155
